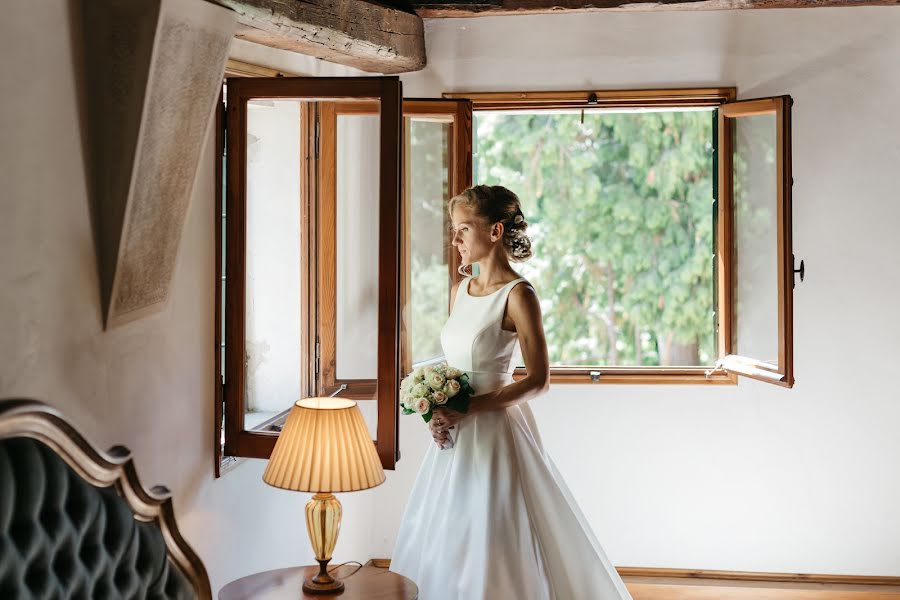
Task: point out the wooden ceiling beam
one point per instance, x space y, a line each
476 8
359 34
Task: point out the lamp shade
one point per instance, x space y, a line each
324 446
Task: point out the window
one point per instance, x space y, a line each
756 262
288 248
433 150
661 222
313 297
437 147
670 262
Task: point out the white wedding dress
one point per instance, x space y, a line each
491 518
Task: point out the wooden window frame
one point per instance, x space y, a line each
458 114
781 374
718 98
233 68
238 441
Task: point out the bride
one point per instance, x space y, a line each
490 517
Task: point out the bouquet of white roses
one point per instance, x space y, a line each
435 385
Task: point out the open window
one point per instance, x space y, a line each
662 228
755 255
293 253
436 166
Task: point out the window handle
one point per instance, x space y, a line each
801 270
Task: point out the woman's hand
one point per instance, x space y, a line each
443 418
440 437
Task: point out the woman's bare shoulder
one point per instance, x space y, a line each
523 297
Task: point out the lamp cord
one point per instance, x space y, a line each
350 562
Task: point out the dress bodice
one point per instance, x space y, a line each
473 338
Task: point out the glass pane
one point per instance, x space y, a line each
273 269
756 237
357 232
427 193
619 206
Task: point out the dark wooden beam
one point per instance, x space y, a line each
475 8
355 33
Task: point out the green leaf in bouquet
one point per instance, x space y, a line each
458 403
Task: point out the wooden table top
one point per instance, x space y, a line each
368 583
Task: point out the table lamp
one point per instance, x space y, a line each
324 447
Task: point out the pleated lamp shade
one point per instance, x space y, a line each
324 446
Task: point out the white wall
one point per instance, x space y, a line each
148 384
750 477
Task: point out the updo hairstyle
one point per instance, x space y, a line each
495 203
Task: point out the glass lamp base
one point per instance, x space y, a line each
323 522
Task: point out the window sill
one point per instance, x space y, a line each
636 376
230 463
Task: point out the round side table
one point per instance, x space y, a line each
368 583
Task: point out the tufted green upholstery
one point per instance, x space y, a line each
62 538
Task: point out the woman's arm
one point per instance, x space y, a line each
524 309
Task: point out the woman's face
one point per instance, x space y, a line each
470 235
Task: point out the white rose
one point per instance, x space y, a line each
420 390
418 374
440 398
453 373
406 401
436 381
422 406
451 388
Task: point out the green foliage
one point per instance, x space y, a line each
620 212
427 310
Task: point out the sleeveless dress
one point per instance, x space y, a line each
491 518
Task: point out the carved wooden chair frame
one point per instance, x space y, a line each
36 420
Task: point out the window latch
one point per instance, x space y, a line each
595 375
592 100
719 367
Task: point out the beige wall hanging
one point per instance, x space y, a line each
154 72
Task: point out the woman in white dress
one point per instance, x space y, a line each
491 518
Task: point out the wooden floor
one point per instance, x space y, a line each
685 584
680 588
